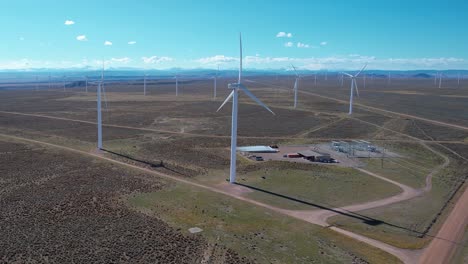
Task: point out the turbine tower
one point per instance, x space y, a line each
86 83
63 81
99 114
440 80
353 85
295 86
235 87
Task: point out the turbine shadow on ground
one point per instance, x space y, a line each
365 219
152 165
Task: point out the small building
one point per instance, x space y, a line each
316 156
257 149
293 155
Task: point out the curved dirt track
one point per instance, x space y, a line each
315 217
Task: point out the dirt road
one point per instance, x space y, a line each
449 237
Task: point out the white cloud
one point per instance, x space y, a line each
21 38
107 43
156 59
284 35
216 59
131 42
69 22
323 43
302 45
82 38
288 44
124 60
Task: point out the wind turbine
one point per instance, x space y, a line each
63 81
458 85
235 87
295 86
99 114
353 85
389 78
440 80
86 83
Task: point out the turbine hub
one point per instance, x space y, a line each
233 86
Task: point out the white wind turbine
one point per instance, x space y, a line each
63 81
295 86
99 114
353 86
176 84
440 80
235 87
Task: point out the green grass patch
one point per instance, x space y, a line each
254 232
325 185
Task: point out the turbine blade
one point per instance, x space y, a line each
347 74
355 86
361 70
246 91
295 85
294 68
227 100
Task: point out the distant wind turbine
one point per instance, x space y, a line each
99 114
440 80
235 87
353 86
295 85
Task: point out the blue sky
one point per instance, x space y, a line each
202 34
